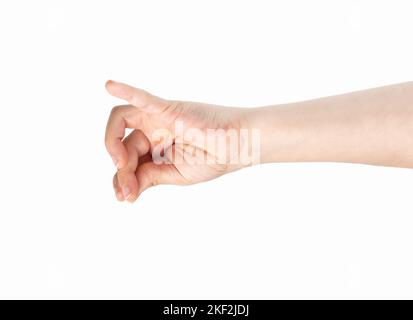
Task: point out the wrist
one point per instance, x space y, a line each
291 133
307 132
279 133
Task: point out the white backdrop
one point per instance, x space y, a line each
272 231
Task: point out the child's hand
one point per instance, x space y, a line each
151 117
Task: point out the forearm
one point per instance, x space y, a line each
373 126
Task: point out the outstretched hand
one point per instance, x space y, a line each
154 122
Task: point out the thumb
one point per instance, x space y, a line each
136 97
150 174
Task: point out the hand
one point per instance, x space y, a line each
150 117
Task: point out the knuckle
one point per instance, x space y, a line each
146 95
142 99
116 110
122 174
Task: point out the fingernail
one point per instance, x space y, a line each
126 192
115 161
109 82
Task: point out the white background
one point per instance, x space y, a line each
271 231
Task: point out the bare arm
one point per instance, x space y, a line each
373 127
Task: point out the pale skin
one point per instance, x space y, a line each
373 126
